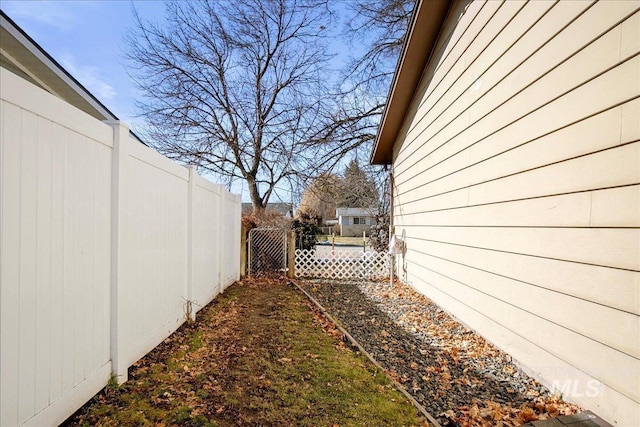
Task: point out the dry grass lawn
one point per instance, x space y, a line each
259 355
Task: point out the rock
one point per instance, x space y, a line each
418 340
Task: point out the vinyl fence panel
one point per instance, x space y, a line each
153 248
230 245
104 246
55 164
207 227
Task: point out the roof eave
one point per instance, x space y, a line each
428 18
51 72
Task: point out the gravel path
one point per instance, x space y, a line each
460 378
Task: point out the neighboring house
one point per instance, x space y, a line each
286 209
24 57
21 55
513 130
354 221
329 227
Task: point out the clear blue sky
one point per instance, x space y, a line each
86 38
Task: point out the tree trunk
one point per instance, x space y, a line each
254 194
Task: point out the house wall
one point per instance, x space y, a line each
354 230
349 229
103 241
517 183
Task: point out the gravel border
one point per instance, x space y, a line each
450 370
356 344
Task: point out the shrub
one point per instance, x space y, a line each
306 229
379 234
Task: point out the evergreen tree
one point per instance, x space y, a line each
357 190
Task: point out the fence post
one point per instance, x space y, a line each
243 251
191 308
119 158
392 262
238 217
221 242
291 246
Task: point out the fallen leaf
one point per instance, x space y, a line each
551 408
474 411
497 414
528 415
454 353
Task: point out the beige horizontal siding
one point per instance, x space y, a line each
584 317
538 360
455 39
505 153
528 107
611 287
517 185
553 179
534 39
613 247
583 209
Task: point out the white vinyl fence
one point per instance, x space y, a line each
105 246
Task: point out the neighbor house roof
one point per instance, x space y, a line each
284 208
428 18
356 211
21 55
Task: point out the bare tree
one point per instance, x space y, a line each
380 25
358 187
319 200
237 88
380 178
